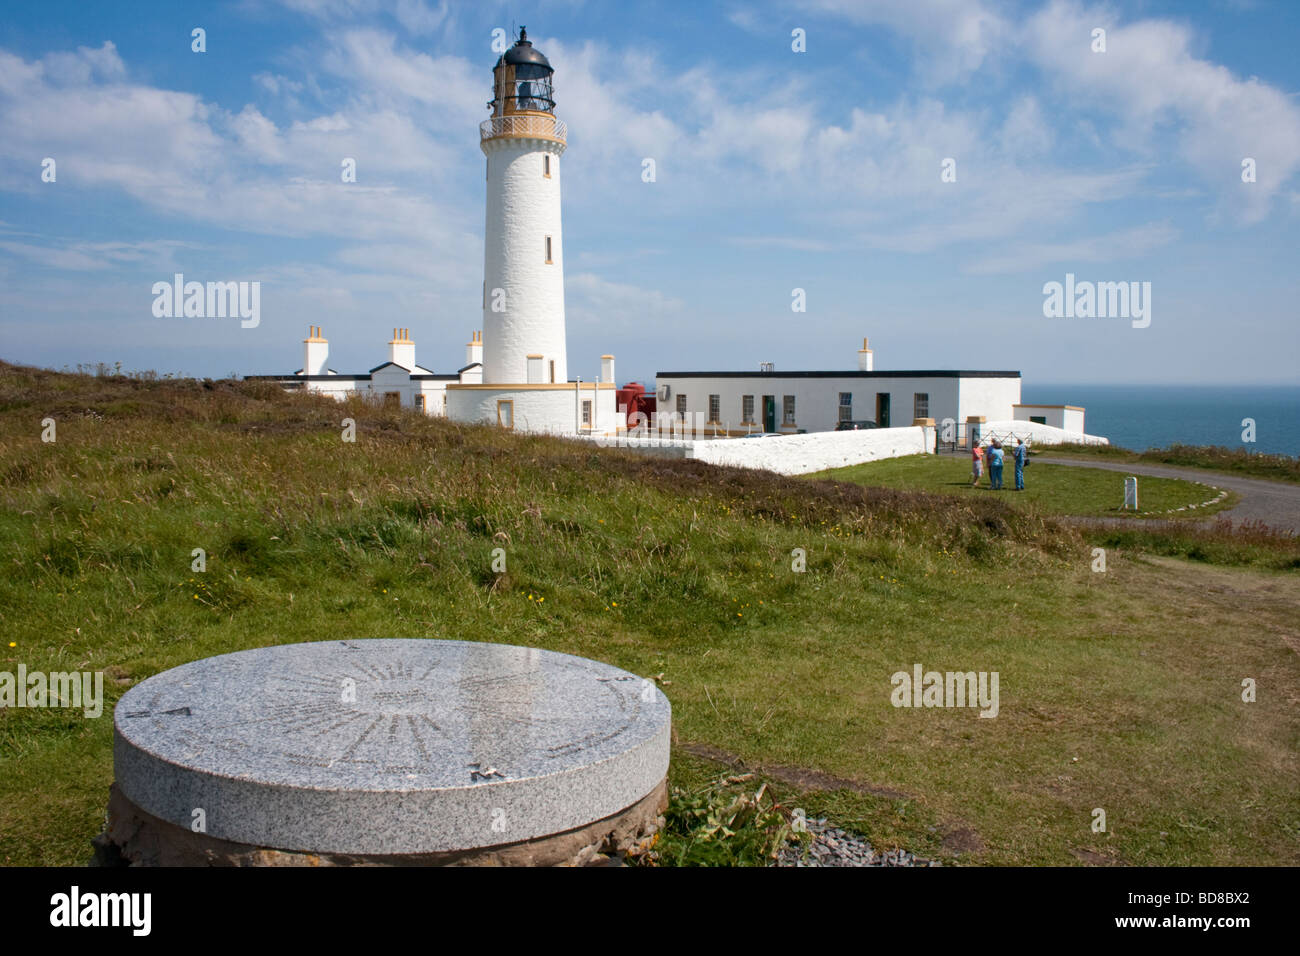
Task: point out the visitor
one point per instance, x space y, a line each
1022 456
976 464
995 465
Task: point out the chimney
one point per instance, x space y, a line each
474 350
315 352
607 368
864 358
401 350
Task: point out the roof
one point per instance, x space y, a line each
307 378
523 52
847 373
469 366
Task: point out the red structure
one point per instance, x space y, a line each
631 399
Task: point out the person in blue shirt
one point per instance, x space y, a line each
995 465
1022 455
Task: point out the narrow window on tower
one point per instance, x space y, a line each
548 251
546 165
552 371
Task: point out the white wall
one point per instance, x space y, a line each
789 454
991 397
547 410
1036 434
523 207
1068 417
337 387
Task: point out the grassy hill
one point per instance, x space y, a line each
1119 689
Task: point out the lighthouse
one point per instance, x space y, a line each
525 371
523 261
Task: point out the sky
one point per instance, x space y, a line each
920 169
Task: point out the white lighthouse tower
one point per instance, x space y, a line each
523 261
525 374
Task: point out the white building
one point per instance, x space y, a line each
398 381
739 403
516 374
1067 417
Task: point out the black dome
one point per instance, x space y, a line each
523 52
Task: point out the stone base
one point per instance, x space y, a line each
133 837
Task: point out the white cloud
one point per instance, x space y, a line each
97 256
595 302
1115 247
1150 78
954 37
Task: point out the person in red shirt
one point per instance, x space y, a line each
976 464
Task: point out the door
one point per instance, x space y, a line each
882 409
769 413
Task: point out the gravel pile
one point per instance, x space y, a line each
831 846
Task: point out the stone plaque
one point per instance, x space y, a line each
389 746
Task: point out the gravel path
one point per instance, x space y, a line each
1275 503
832 846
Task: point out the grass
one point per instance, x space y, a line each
1238 461
1114 687
1057 489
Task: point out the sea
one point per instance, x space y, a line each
1155 416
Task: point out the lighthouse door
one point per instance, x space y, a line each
769 413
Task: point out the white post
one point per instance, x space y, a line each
1130 493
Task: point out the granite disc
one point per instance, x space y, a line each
389 746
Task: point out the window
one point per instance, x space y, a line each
419 401
1038 419
846 406
505 413
787 417
552 371
586 412
921 405
546 165
548 250
392 399
747 409
681 404
535 369
715 409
